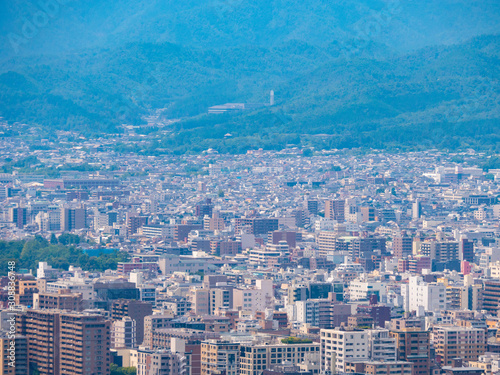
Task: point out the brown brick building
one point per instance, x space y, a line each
84 344
61 343
413 346
63 300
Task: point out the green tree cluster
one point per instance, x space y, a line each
27 254
116 370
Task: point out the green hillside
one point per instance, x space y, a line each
359 73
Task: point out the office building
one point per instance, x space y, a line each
18 216
73 218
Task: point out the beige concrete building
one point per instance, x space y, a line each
254 299
159 362
123 333
151 324
200 301
256 358
220 299
219 357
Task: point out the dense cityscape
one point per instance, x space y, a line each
295 262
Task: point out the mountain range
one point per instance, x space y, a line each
346 74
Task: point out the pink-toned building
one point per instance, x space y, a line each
465 267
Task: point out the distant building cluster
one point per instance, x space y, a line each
235 107
268 263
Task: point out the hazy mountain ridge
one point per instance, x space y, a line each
74 25
337 68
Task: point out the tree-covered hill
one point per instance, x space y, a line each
364 73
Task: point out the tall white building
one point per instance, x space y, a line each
314 311
362 289
339 345
254 299
86 289
419 295
324 225
381 346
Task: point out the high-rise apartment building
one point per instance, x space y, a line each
441 251
254 359
134 222
159 362
13 362
62 300
316 312
466 250
84 344
42 330
453 342
335 209
153 323
220 298
200 301
413 346
420 295
204 208
313 206
491 296
340 345
61 343
73 218
402 246
136 310
219 357
457 297
367 213
25 289
18 216
381 346
416 210
123 333
257 225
